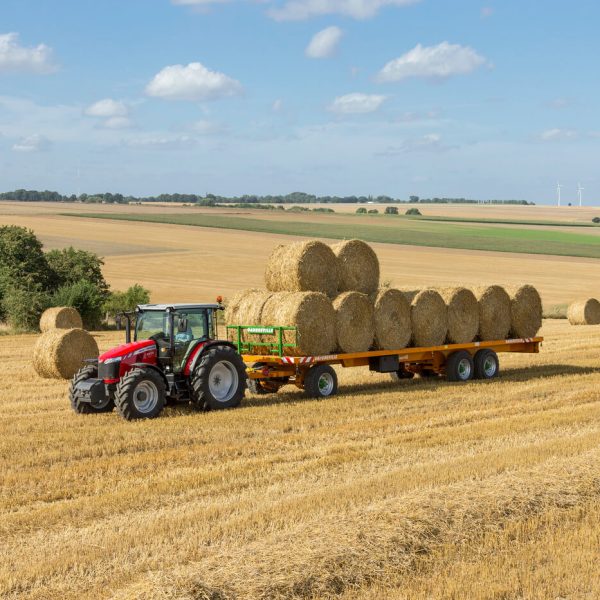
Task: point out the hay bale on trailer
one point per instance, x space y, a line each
428 317
246 308
584 312
59 353
358 267
303 267
525 311
494 312
354 323
310 312
60 317
392 319
463 314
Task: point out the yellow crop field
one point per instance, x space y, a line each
417 489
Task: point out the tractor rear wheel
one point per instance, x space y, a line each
77 404
140 394
219 380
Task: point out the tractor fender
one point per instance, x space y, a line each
189 368
143 365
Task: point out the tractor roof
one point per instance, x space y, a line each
176 307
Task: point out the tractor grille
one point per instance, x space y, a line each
109 371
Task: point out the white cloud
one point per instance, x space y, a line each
437 62
162 142
117 123
299 10
356 104
324 43
556 134
14 57
107 108
205 127
192 82
32 143
431 142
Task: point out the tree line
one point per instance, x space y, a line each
214 200
32 280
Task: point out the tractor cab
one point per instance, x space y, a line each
171 355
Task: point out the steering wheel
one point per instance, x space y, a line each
158 336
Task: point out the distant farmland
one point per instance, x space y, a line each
531 240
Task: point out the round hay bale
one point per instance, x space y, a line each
246 309
358 267
584 312
463 314
60 317
354 322
59 353
428 317
525 311
313 316
494 312
303 267
392 319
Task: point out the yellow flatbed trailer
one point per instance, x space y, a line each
314 374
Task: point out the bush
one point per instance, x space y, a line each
596 220
373 211
86 297
323 210
23 307
361 211
70 266
391 210
126 301
414 212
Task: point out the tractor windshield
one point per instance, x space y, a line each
150 324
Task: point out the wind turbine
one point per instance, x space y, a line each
579 190
558 186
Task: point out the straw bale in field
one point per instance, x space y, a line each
392 319
246 308
303 267
428 317
354 322
463 314
584 312
60 317
358 266
525 311
59 353
311 313
494 312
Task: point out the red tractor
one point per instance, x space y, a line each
174 357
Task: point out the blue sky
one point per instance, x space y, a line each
481 99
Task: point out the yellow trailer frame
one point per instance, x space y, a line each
270 372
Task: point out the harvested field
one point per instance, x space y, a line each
418 489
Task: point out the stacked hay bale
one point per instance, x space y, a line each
354 322
358 267
463 314
428 317
525 311
584 312
60 317
494 312
392 319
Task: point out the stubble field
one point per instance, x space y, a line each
422 489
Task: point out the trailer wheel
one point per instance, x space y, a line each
85 408
487 364
219 380
140 394
460 366
321 382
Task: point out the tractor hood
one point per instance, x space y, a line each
127 351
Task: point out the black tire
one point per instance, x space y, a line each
487 365
140 394
85 408
460 366
401 373
320 382
219 380
262 387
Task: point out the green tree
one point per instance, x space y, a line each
361 211
373 211
23 307
70 266
126 301
86 297
391 210
414 212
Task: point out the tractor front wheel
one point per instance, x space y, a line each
219 380
77 403
140 395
